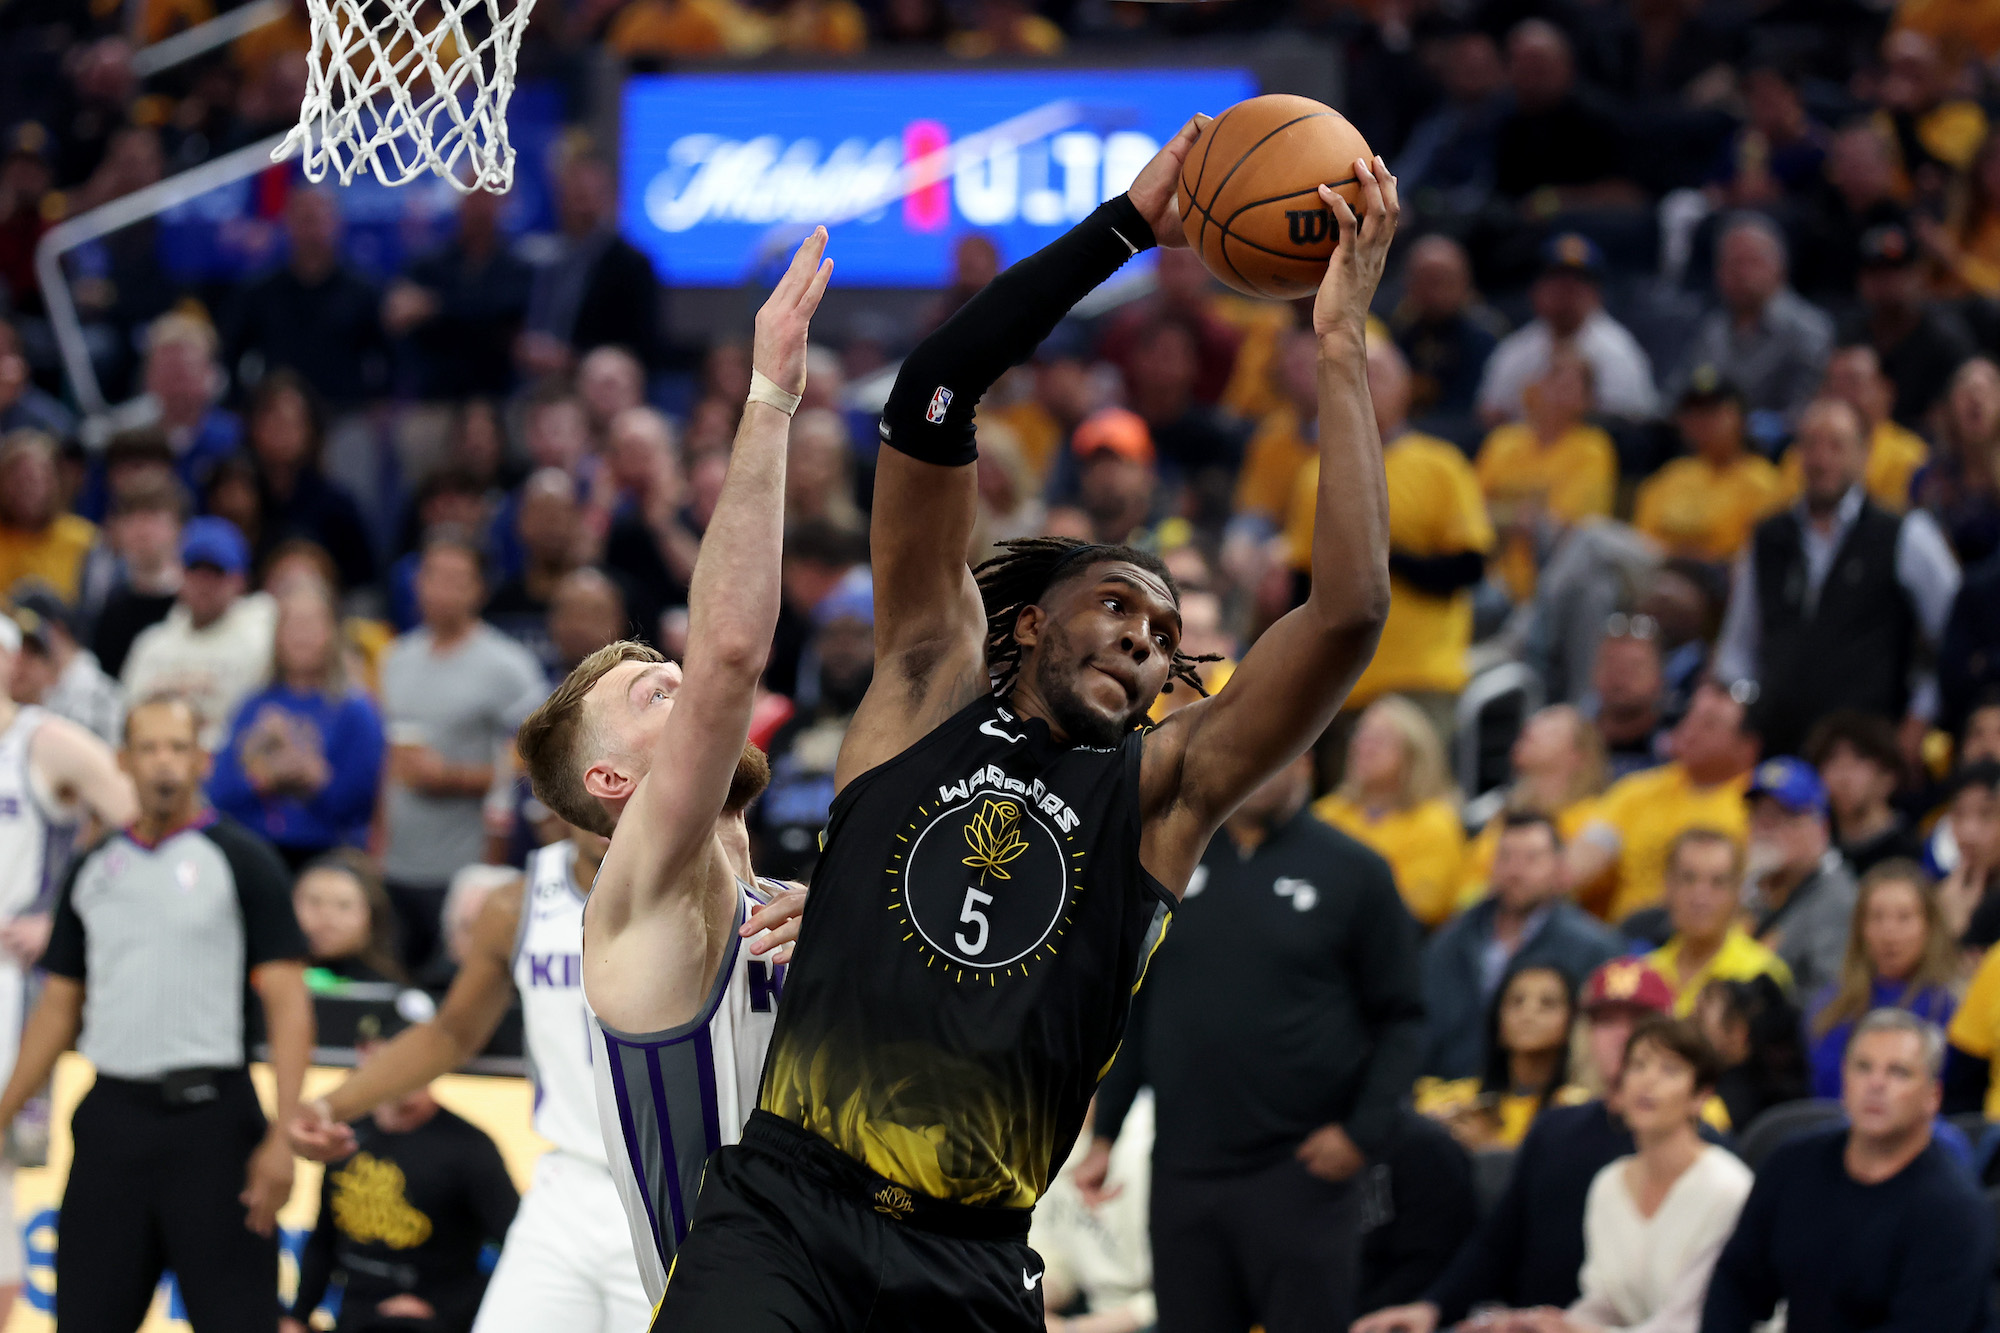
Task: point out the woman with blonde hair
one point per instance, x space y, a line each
1900 955
1397 797
1560 769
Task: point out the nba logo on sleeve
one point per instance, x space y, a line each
939 402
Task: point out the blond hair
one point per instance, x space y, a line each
557 740
186 329
1593 772
1426 775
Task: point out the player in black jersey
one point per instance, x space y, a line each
1008 838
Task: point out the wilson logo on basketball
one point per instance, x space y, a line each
1308 226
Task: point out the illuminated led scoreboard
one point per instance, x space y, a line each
720 174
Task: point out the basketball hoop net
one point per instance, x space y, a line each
398 87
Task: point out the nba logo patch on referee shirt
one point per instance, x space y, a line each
939 402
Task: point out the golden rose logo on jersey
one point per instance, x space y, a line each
994 835
983 882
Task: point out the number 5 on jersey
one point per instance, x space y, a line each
971 915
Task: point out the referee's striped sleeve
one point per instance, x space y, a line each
263 894
65 954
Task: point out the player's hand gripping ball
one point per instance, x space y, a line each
1248 193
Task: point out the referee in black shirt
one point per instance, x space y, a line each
1280 1027
160 934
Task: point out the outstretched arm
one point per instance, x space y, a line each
1206 758
930 629
669 821
81 768
465 1022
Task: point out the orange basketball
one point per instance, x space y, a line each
1249 198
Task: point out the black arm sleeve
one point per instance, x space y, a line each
1965 1080
1389 989
65 955
263 893
316 1259
1439 575
929 413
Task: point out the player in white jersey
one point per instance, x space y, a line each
669 1099
567 1262
52 774
659 760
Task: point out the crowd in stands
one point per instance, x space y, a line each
1687 374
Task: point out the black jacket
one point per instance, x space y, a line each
1284 998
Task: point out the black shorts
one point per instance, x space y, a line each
790 1235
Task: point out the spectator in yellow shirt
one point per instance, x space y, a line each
1527 1065
1704 506
1559 771
1397 797
1932 132
1895 454
1286 439
1439 538
1546 471
1704 887
1971 23
1965 247
1972 1080
1637 820
37 539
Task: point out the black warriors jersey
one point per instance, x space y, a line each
976 928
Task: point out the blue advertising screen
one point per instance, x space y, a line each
722 174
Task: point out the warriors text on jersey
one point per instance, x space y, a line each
978 924
666 1100
548 973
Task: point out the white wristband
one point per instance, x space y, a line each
763 389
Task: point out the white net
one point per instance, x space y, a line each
400 87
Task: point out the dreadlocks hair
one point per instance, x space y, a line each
1022 574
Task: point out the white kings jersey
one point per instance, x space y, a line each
35 833
669 1099
548 972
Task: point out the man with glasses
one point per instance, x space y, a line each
1628 685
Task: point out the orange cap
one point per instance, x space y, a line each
1117 431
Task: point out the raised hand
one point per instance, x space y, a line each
1355 270
774 927
1152 191
778 348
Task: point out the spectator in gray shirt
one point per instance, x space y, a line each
1801 891
1774 341
454 690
